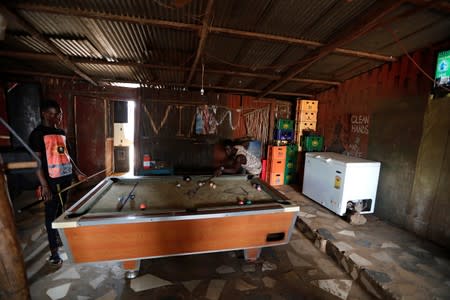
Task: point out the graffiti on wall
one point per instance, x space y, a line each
359 135
359 124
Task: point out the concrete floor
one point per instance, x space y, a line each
298 270
327 258
389 262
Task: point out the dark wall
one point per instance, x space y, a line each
23 104
167 129
428 207
411 191
23 115
168 122
396 129
4 133
22 112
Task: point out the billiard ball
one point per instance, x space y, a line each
200 183
142 206
186 178
248 202
214 186
211 183
240 202
178 185
258 187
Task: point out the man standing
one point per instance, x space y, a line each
55 174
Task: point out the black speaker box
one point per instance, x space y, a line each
120 112
121 159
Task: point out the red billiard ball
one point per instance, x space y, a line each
143 206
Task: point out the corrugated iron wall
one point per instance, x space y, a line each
395 97
366 94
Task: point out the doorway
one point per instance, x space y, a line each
124 137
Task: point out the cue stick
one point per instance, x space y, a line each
80 182
63 190
122 203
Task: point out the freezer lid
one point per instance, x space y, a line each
338 158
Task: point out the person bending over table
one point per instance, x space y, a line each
238 158
55 174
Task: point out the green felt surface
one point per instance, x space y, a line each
163 194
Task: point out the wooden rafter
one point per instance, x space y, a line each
440 5
202 41
29 28
50 57
194 27
351 32
224 88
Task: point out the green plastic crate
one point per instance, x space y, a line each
312 143
290 177
291 151
284 124
291 165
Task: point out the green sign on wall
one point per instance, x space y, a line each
442 75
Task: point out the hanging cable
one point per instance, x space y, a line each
202 91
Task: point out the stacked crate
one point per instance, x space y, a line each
283 132
290 170
276 163
312 143
306 118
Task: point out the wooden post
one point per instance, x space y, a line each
13 282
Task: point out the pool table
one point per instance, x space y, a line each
132 218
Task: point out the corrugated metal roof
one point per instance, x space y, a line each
34 43
80 48
192 12
259 37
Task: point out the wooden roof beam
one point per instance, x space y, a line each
29 28
194 27
202 42
363 24
51 57
441 5
224 88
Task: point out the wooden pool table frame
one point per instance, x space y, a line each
131 237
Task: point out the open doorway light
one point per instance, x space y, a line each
129 134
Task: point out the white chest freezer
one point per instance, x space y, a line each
337 181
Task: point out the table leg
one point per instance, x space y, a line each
132 268
252 254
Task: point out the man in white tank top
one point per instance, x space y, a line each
239 157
